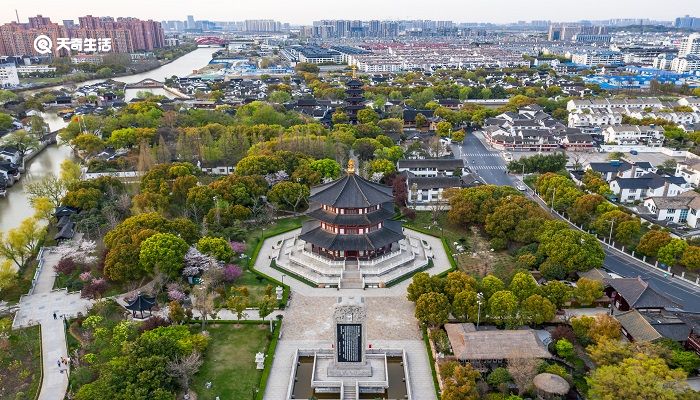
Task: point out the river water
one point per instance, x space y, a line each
15 207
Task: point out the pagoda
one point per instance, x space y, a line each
351 219
355 100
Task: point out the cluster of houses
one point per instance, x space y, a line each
597 115
532 129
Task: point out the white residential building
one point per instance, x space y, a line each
690 171
593 58
431 167
31 69
685 64
629 190
681 209
690 45
652 136
8 75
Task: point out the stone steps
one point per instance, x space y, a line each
349 392
352 279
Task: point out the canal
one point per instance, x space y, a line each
15 207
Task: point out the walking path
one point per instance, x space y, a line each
390 321
48 308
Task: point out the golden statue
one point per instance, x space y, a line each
354 72
351 166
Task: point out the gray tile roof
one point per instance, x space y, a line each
638 294
390 233
351 191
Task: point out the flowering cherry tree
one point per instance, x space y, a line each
80 251
196 263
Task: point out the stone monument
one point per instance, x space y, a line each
349 316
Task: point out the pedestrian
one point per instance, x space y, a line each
59 363
54 315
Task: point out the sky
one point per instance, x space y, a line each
306 11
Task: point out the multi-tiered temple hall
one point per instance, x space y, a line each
351 240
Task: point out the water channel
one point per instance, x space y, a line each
15 206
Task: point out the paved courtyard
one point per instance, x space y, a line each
390 322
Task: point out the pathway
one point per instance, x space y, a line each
39 308
390 321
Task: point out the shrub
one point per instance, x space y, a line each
238 247
557 369
498 243
176 295
85 276
408 213
563 332
65 266
498 377
232 272
153 323
95 289
447 369
441 341
564 348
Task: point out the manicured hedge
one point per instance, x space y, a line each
431 360
269 359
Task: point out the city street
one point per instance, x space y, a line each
489 165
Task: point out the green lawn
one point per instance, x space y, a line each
21 285
229 362
279 226
20 363
451 232
256 285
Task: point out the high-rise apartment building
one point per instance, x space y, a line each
687 22
127 34
690 45
568 32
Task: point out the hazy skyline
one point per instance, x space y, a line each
306 11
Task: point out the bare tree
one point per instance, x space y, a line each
523 371
203 302
183 368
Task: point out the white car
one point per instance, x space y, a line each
520 186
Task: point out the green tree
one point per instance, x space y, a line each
339 117
557 292
21 243
691 258
432 309
266 306
652 241
289 195
564 348
279 97
326 167
462 384
5 121
422 283
490 285
688 361
503 308
537 310
88 143
421 121
458 136
22 140
456 282
523 285
238 303
672 252
574 250
637 377
587 291
380 166
367 116
465 306
216 247
443 128
499 376
164 252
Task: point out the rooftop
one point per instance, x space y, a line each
470 344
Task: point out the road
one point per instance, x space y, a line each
490 165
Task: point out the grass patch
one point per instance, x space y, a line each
280 226
229 362
20 363
21 285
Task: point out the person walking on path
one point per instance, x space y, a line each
54 315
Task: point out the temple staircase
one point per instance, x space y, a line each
352 277
349 392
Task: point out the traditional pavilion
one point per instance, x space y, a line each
351 219
140 304
355 100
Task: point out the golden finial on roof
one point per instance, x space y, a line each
351 166
354 72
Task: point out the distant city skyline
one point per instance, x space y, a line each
305 11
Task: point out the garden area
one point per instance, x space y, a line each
20 361
468 244
229 361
